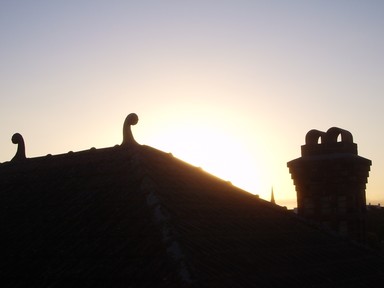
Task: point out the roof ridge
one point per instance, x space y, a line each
162 220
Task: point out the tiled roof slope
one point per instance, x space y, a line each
134 216
231 238
79 220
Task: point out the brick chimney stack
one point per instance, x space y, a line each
330 180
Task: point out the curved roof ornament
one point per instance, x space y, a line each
20 153
128 138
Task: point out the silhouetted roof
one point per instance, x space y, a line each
134 216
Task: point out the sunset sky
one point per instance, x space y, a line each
230 86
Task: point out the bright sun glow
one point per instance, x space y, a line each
230 86
218 153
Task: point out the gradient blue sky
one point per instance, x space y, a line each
231 86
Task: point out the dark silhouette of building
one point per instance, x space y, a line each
134 216
330 180
375 227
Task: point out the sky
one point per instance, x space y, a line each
229 86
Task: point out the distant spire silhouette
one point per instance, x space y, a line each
272 197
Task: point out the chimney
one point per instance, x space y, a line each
330 180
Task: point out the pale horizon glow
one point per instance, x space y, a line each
231 86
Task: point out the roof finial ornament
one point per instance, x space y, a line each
20 154
128 139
